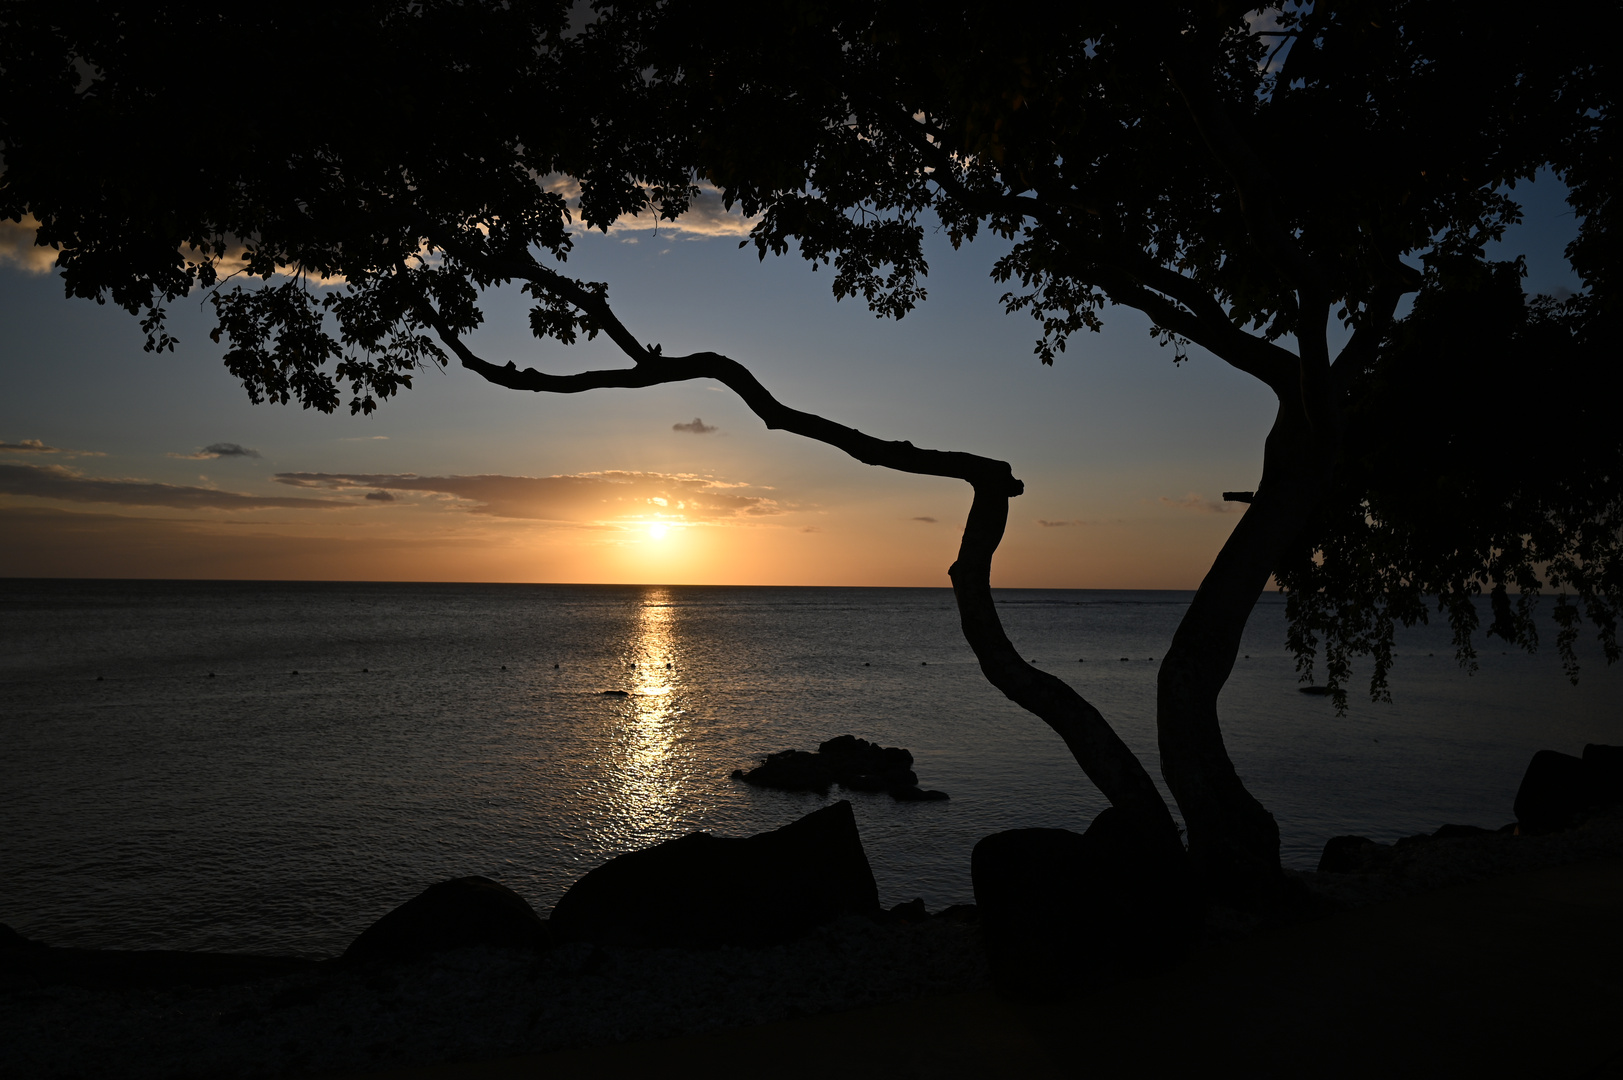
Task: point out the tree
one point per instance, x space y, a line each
1241 177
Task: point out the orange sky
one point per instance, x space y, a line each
117 463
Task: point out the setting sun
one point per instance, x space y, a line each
657 531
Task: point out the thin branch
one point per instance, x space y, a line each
1129 275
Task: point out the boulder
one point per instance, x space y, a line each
451 915
1352 855
1064 912
1551 795
704 891
1462 832
1602 775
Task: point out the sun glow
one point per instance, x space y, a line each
657 531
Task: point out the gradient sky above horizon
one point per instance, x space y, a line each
119 463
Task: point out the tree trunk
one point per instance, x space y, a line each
1106 760
1233 841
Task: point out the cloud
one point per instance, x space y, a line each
379 496
61 482
587 497
219 450
1198 503
28 446
926 520
811 529
698 427
1059 524
17 246
706 218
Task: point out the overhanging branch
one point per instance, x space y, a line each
1106 760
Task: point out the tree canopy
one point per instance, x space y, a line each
1270 185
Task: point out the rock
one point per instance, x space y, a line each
1552 791
791 770
451 915
1603 775
1351 855
11 941
914 793
1457 832
1063 912
913 911
706 891
854 764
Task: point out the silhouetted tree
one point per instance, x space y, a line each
1240 177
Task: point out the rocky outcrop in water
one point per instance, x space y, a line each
852 763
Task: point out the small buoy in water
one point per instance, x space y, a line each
98 678
1080 660
866 664
295 673
366 671
211 674
1316 691
924 663
504 667
667 667
554 667
615 693
1248 656
1124 659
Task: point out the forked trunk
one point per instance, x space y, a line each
1233 841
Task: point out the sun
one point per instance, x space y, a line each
657 531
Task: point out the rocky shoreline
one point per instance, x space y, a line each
472 1003
468 971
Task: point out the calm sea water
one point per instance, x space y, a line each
432 731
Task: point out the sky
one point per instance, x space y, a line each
124 464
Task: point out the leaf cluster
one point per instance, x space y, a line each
1480 461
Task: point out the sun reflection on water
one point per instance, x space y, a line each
652 763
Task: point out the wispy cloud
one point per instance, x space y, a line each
585 497
1198 504
1060 524
698 427
28 446
379 496
219 450
707 217
18 249
926 520
70 485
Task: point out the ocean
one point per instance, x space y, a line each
270 766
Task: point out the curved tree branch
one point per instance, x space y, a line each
1106 760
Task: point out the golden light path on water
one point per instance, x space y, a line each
645 785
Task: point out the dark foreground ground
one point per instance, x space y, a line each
1519 976
1498 955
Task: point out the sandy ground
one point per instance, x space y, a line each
1516 976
